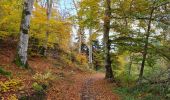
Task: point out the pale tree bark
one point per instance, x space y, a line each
49 11
107 60
90 48
24 36
80 30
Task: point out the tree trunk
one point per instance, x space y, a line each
107 61
80 30
146 46
21 59
80 40
49 9
90 48
130 64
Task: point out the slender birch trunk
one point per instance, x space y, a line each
90 48
21 59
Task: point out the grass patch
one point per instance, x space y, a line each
19 63
5 73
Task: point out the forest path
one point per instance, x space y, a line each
82 86
87 92
96 88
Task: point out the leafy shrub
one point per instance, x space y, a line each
151 97
143 92
37 87
44 79
124 92
125 78
168 92
168 95
81 59
11 85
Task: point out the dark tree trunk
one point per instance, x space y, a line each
80 37
130 64
107 61
146 46
21 58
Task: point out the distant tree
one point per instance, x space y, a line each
97 55
49 12
90 13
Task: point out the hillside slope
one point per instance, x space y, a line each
59 81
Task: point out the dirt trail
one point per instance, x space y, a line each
87 93
96 88
83 86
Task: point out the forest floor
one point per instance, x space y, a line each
72 83
83 87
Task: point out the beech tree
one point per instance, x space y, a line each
24 33
90 13
80 31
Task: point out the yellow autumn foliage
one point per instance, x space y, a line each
11 85
59 30
81 59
